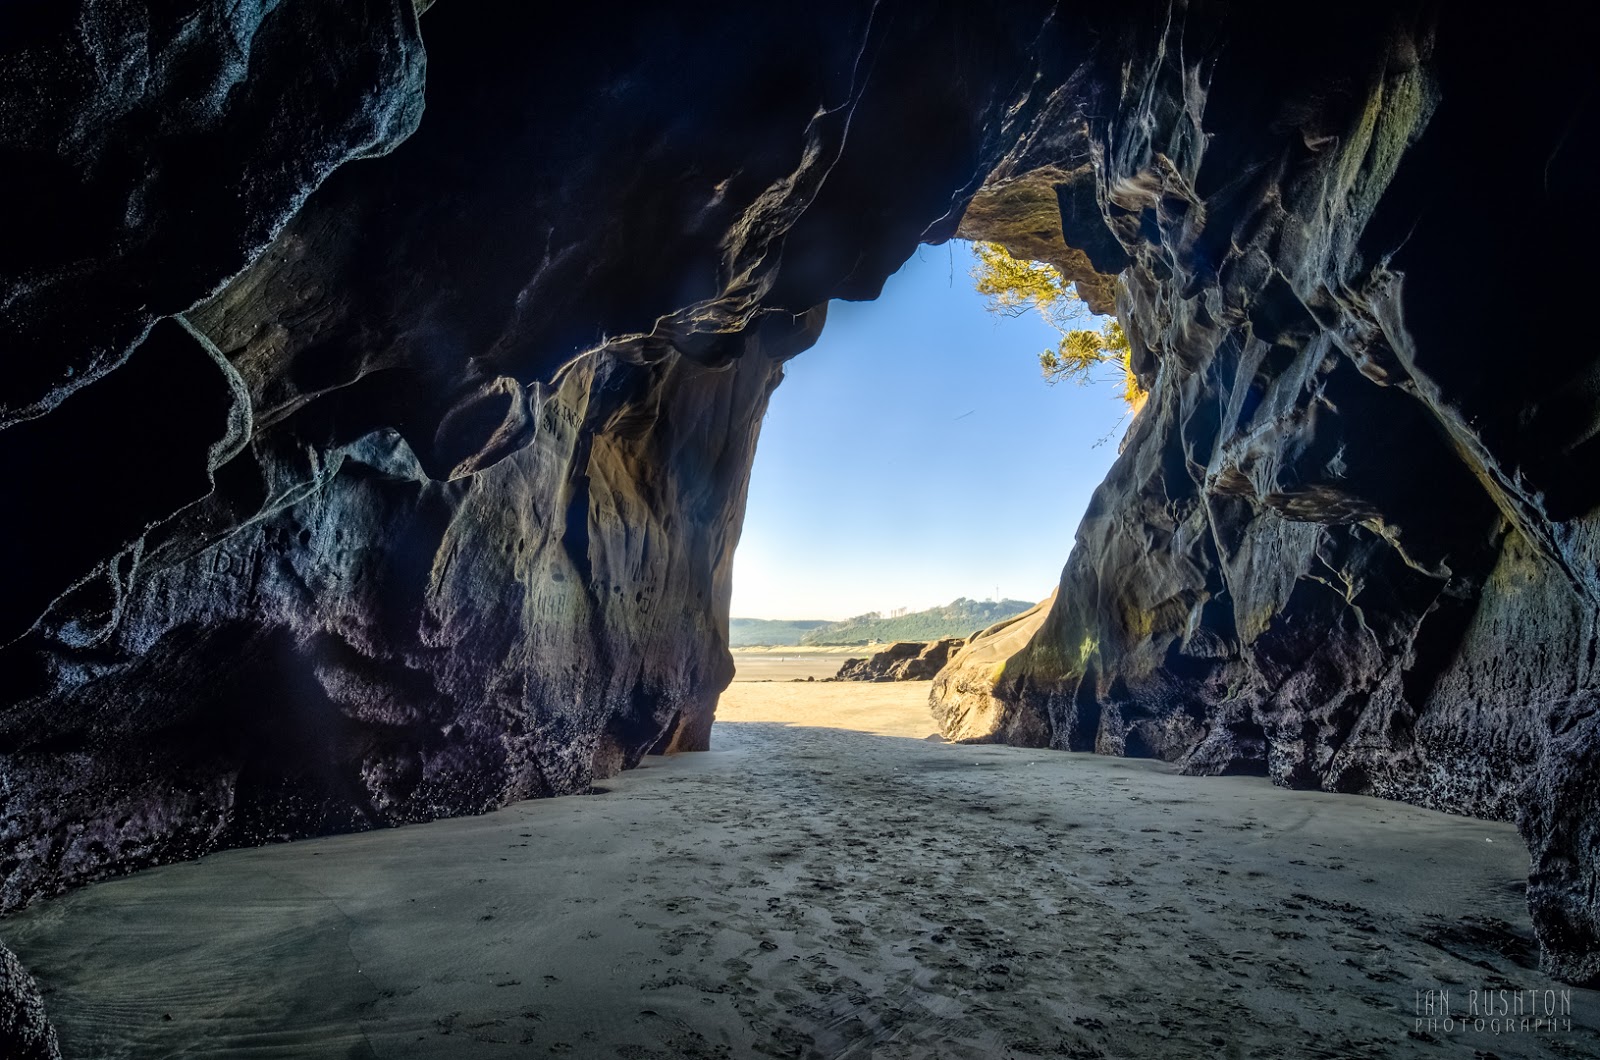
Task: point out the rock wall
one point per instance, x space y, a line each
1350 542
383 462
431 506
393 648
25 1032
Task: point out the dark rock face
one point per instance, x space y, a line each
153 149
153 152
393 648
25 1033
1351 542
432 505
906 660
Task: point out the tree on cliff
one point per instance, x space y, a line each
1015 287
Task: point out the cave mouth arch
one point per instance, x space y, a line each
915 455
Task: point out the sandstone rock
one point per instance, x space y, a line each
432 506
299 677
1559 813
1024 213
25 1032
152 153
906 660
1346 545
963 696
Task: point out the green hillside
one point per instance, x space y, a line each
958 618
759 632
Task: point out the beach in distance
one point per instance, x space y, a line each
793 663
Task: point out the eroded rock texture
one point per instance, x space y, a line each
1351 542
25 1032
152 149
432 505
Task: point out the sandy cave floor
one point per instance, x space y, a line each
838 886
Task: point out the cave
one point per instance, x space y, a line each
385 379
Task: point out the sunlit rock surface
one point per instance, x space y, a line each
963 697
432 505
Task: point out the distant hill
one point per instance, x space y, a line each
757 632
956 619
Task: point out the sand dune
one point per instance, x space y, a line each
827 883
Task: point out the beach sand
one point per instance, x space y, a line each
828 882
778 664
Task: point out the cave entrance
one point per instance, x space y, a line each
914 459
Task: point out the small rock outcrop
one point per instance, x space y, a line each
25 1032
906 660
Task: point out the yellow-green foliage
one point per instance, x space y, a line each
1015 287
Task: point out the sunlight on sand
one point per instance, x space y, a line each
896 708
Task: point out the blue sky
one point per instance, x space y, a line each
915 454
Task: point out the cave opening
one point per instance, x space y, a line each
916 460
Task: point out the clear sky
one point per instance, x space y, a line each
915 454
